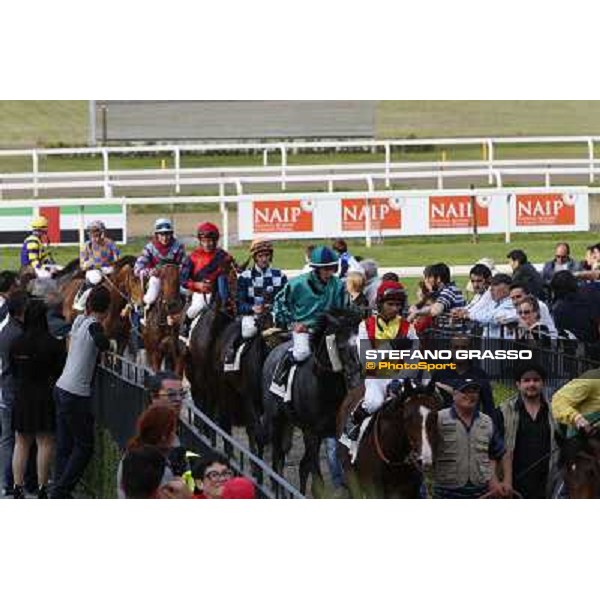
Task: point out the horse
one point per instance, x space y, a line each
239 393
395 444
579 463
161 339
319 386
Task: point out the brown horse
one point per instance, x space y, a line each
161 338
394 446
580 466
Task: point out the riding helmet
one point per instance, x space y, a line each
209 230
261 245
99 225
391 290
322 256
39 222
163 226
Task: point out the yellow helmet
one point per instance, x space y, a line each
39 223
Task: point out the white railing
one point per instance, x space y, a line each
488 166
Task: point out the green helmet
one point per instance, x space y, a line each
323 256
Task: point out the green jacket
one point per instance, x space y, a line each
305 297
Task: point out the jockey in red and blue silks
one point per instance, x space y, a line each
163 249
205 271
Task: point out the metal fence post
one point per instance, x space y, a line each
35 161
387 164
370 189
490 157
105 168
283 166
177 156
92 123
591 157
224 216
508 215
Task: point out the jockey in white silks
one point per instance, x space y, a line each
387 329
164 248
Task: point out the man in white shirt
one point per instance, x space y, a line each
480 277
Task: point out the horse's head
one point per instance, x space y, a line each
334 342
580 463
169 282
128 284
413 404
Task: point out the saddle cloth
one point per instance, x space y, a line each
235 365
285 393
352 445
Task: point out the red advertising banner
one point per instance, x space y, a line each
455 212
282 216
543 209
383 214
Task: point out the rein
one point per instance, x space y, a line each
410 459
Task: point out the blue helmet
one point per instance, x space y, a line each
163 226
323 256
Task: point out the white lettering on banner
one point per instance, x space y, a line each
451 211
359 214
540 208
277 215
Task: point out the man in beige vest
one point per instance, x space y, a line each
467 449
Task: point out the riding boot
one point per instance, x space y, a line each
229 356
282 370
355 420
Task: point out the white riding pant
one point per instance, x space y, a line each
199 302
153 291
374 394
301 346
249 328
93 276
44 272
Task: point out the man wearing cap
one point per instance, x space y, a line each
301 301
35 251
96 259
467 448
500 313
385 330
256 290
205 271
163 249
531 458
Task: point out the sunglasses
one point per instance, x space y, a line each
173 394
524 312
561 258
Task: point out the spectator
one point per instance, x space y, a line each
36 360
57 324
562 262
529 429
12 329
9 282
518 292
73 395
501 313
372 281
145 476
390 276
444 293
347 261
307 253
524 273
238 488
355 285
577 310
531 327
211 473
479 278
588 261
448 379
468 448
157 427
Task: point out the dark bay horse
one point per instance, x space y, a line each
240 393
318 389
395 444
580 465
161 338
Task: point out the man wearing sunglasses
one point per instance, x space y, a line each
562 262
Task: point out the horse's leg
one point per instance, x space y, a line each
309 465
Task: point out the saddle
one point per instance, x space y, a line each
283 377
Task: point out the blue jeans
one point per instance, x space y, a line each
7 444
335 468
74 440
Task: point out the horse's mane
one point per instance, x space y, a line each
127 260
70 267
346 318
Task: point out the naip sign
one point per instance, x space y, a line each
535 210
385 214
456 212
282 216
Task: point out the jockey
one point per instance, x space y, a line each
204 268
386 329
97 258
302 301
35 251
256 290
163 249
